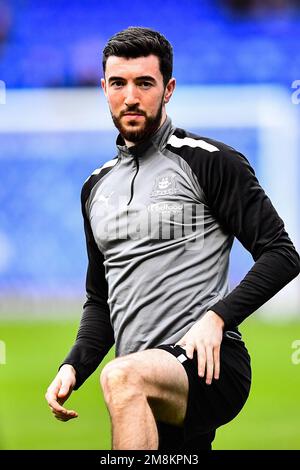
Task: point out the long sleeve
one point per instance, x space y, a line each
95 336
242 208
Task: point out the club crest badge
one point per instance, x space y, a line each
164 185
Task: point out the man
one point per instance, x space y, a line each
159 220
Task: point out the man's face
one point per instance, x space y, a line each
136 95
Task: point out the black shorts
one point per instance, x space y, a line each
209 406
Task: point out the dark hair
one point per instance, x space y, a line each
135 42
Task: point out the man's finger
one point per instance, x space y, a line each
66 417
189 348
63 391
53 403
201 357
65 414
209 364
57 408
216 353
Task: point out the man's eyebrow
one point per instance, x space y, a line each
148 78
142 77
112 79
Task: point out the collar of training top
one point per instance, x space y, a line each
158 139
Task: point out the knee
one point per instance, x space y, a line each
114 374
120 381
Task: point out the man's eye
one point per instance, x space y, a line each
145 84
117 83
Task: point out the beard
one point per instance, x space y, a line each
151 124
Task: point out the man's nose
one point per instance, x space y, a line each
131 97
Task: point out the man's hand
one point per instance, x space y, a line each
60 390
205 336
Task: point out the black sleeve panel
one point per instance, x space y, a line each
242 208
95 336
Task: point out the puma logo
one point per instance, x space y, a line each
105 199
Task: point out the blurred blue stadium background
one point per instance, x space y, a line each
55 46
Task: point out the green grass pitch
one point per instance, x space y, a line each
269 420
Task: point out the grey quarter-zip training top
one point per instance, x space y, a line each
160 219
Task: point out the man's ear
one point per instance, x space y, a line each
169 89
103 85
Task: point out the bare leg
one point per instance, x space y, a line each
140 388
133 423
